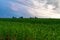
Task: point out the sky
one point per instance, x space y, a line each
30 8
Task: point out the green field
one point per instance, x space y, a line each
29 29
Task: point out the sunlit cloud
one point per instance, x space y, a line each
36 8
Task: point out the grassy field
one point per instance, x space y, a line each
29 29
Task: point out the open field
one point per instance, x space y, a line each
29 29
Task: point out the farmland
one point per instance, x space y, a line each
29 29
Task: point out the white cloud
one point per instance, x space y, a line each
14 6
36 8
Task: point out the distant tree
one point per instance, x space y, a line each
31 17
13 17
21 17
35 17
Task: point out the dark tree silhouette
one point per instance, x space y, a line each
35 17
21 17
13 17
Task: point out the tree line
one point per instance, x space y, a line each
23 17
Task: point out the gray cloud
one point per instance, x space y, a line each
39 8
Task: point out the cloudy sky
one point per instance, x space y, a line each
30 8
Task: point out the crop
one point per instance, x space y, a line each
29 29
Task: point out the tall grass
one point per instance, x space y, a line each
29 29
